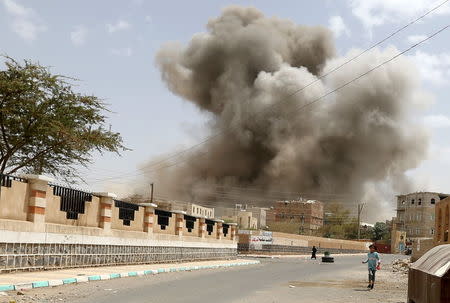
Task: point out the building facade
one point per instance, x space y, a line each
191 209
246 220
416 214
308 214
239 211
442 213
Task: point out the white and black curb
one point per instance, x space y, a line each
81 279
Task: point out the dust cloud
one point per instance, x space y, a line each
355 144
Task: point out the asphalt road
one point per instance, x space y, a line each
274 280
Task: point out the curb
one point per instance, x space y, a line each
82 279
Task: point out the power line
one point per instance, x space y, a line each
299 108
178 154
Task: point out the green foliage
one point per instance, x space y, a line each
327 253
338 223
46 127
381 232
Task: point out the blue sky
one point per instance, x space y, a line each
110 46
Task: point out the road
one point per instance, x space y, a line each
274 280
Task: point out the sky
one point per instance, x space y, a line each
110 45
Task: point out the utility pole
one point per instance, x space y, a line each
151 193
360 208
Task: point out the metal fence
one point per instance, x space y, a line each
72 200
26 256
6 180
126 211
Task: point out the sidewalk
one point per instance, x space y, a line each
28 280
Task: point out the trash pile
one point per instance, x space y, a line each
401 265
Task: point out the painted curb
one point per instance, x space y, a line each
83 279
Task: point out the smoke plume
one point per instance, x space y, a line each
243 72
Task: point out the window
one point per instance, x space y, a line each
432 231
417 231
433 201
403 202
419 202
412 201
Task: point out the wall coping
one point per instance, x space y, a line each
37 177
148 205
233 224
105 194
178 212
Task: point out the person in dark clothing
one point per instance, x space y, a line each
314 251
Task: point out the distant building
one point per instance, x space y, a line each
191 209
442 222
245 220
308 214
241 213
260 214
416 214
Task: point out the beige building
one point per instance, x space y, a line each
416 214
307 214
244 219
191 209
231 214
442 222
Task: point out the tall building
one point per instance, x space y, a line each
442 222
416 214
307 214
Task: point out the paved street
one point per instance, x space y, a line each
274 280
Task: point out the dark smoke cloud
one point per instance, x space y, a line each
244 64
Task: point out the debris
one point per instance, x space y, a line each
2 293
401 265
291 286
20 293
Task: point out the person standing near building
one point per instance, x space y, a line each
313 253
373 263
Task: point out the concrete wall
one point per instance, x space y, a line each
90 218
31 220
135 225
287 243
14 201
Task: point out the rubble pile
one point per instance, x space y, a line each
401 265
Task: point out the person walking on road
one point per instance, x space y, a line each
314 251
373 263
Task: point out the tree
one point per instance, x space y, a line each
381 231
47 127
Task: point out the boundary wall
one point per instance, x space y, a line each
47 226
283 243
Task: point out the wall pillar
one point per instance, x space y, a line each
179 222
201 227
219 234
106 203
37 201
149 216
233 229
